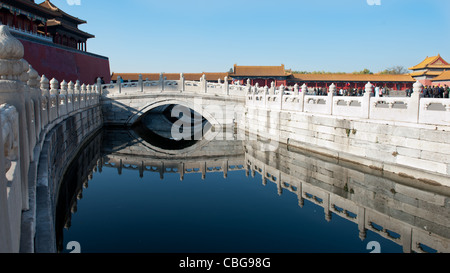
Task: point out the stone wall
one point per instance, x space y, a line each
400 135
59 149
42 124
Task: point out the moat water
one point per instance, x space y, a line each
123 194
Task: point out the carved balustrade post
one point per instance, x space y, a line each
119 84
77 95
182 83
45 101
302 97
366 105
62 99
330 97
70 93
83 96
226 85
204 84
12 91
54 99
99 89
414 104
280 97
140 83
35 94
161 81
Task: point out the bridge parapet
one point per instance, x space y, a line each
30 108
414 109
163 85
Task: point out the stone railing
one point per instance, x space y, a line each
414 109
30 107
163 85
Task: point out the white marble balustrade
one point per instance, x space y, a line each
30 106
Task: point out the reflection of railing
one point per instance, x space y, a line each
182 168
30 107
409 109
359 197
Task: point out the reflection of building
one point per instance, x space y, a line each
429 69
53 44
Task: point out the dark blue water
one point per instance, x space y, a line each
128 214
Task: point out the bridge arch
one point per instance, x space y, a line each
169 101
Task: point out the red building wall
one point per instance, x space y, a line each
65 64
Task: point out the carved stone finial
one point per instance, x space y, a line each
369 87
54 84
10 47
44 82
33 77
417 87
332 88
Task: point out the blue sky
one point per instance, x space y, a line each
146 36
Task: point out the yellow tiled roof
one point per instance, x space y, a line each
426 73
267 71
432 62
445 76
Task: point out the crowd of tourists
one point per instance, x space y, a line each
428 92
436 92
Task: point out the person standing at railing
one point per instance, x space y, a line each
446 92
435 92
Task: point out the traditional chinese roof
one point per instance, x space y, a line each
435 62
28 8
426 73
353 77
444 76
50 6
55 22
262 71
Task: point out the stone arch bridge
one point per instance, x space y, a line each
220 103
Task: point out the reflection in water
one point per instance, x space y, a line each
155 127
125 213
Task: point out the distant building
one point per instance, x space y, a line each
263 75
432 71
53 43
442 80
210 76
429 69
45 19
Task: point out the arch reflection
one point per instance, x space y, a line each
413 215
